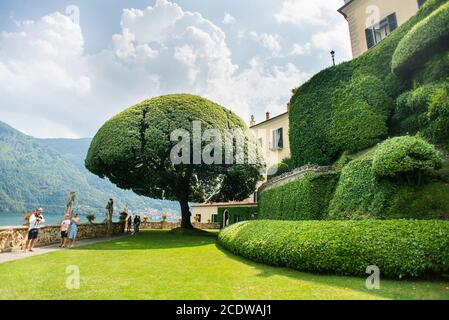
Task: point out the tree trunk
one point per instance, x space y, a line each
185 213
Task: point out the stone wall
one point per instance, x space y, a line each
13 238
165 225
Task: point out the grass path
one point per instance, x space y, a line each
161 265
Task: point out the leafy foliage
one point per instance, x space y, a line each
360 112
133 150
399 248
425 110
427 37
279 169
361 194
405 156
304 199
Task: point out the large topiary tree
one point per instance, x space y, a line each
156 149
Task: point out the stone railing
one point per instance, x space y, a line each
165 225
13 238
293 175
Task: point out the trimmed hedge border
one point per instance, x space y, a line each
400 248
429 36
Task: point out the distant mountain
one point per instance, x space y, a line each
42 172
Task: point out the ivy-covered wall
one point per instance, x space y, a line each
303 199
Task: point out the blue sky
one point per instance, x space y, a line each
70 76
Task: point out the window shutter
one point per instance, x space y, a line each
369 38
280 138
392 22
274 140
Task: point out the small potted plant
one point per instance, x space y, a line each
90 217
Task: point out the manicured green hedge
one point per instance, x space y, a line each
361 194
407 155
304 199
279 169
365 122
312 139
237 213
429 36
400 248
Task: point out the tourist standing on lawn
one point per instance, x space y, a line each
129 223
74 223
65 224
137 222
36 219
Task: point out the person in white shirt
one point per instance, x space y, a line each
65 224
36 219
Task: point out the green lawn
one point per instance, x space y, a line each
161 265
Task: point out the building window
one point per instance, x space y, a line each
278 139
380 31
198 218
215 218
261 142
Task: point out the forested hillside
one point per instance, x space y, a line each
35 172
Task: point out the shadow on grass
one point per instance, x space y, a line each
390 288
156 239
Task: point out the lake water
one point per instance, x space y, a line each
10 219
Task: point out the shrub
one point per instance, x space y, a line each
405 156
434 70
279 169
427 37
424 110
400 248
303 199
360 194
360 112
430 201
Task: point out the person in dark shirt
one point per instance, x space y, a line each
137 222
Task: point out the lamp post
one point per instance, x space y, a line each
333 57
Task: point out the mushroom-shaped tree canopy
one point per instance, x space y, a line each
178 147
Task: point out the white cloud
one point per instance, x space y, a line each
229 19
299 49
45 74
317 12
329 30
270 42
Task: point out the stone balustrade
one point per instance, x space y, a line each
293 175
13 238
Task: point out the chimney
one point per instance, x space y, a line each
267 116
252 122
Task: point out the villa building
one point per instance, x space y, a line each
272 134
370 21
